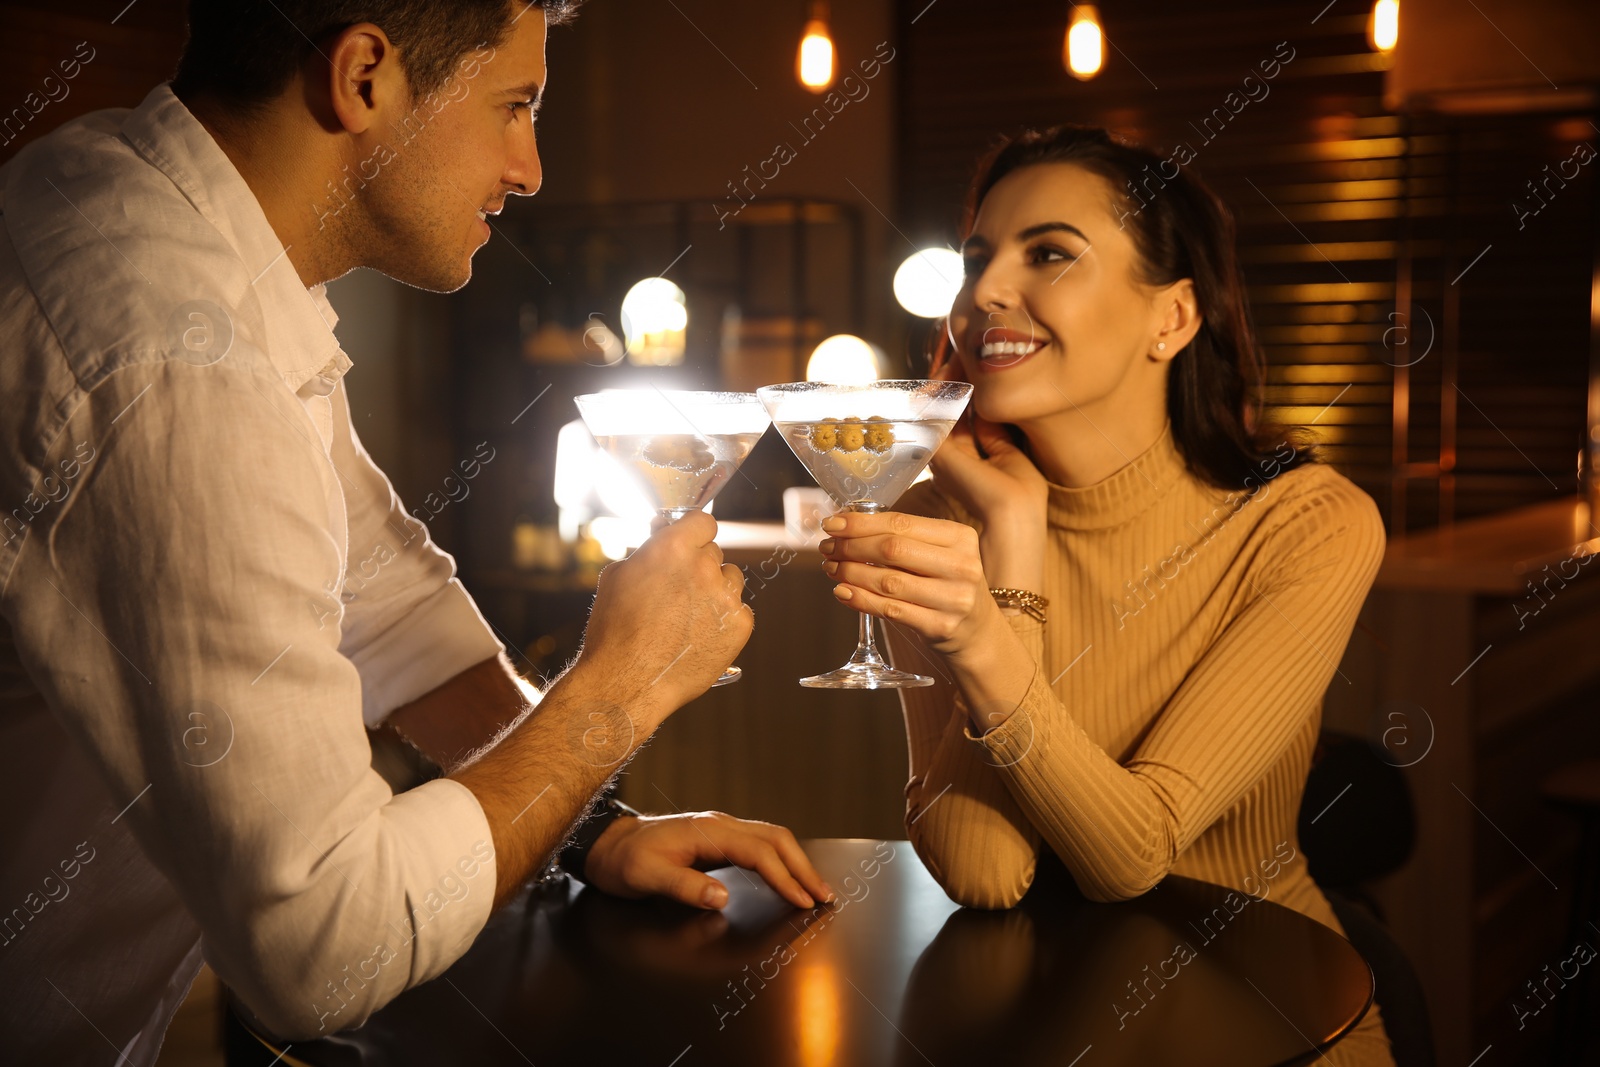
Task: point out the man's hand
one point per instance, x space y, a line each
660 854
666 621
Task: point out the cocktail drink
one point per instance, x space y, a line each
680 472
681 447
865 445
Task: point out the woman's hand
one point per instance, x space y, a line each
1006 484
986 473
925 574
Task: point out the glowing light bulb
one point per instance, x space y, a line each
1383 28
1084 52
927 283
813 64
843 359
655 320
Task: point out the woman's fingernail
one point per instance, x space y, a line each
806 901
843 592
829 894
832 525
830 568
714 897
827 547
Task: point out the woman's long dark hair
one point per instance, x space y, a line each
1180 230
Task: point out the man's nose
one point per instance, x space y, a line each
524 171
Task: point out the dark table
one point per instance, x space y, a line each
894 975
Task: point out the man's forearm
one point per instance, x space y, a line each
536 781
637 667
535 791
452 723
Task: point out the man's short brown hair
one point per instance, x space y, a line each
244 52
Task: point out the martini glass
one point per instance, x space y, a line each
680 447
865 445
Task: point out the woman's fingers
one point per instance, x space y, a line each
892 584
942 532
924 573
910 555
959 459
992 437
932 626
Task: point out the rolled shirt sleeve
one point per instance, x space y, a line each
171 629
406 622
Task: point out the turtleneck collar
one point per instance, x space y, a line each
1124 495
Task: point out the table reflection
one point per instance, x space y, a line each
892 973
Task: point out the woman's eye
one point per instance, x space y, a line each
1048 254
972 266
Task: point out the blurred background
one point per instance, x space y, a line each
1416 203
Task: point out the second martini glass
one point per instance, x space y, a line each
865 445
680 446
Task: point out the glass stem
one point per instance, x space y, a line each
867 647
866 644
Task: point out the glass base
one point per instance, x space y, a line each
729 676
866 676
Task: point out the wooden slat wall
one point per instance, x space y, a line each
1354 224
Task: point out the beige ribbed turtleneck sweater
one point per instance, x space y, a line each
1176 698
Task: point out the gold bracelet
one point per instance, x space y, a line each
1031 604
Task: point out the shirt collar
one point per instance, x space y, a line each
299 322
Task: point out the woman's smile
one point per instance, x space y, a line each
1000 348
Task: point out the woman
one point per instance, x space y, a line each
1176 585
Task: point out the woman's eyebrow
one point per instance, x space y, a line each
979 241
1050 227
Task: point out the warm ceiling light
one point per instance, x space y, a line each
1383 28
1084 52
655 321
927 283
843 359
814 63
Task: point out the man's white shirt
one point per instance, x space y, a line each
187 662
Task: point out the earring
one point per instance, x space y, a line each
1161 346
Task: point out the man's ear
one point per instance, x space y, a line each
1178 319
364 77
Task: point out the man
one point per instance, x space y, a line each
185 662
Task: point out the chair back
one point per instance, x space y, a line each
1357 821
